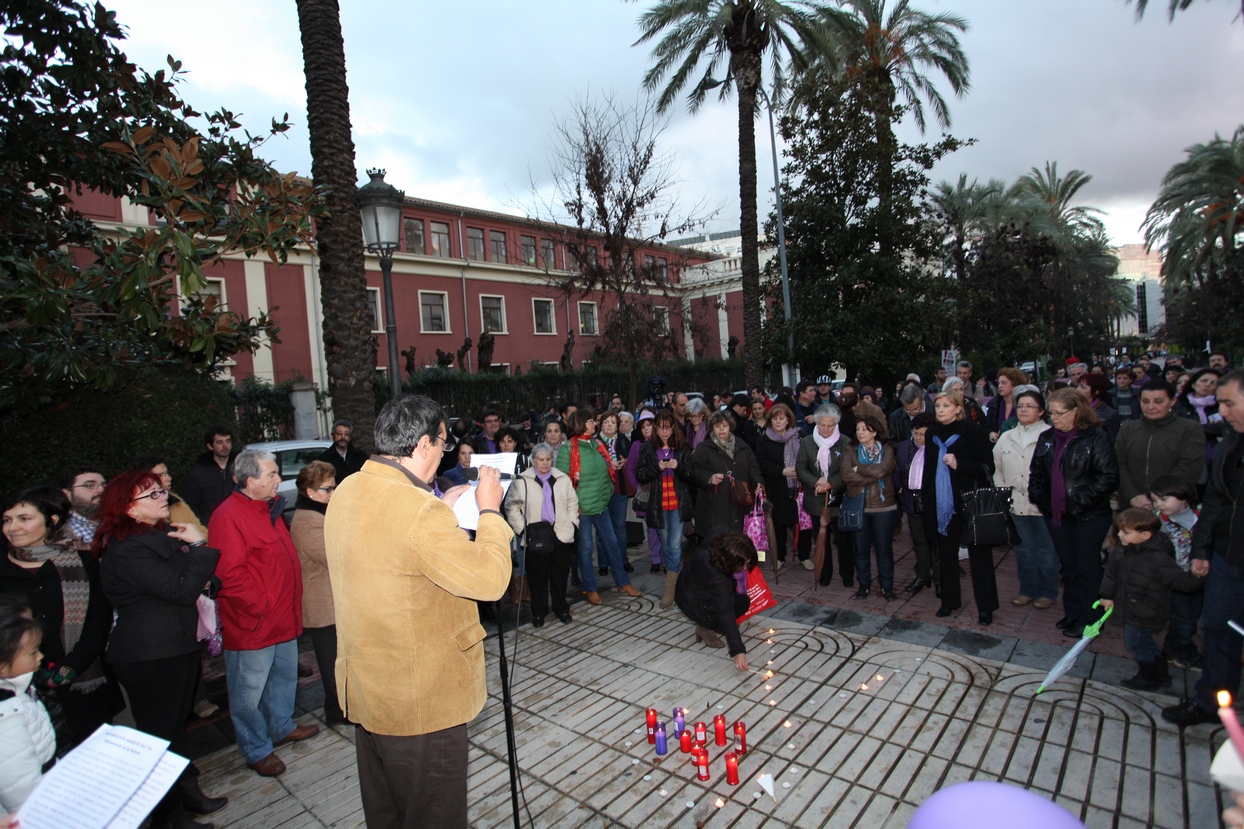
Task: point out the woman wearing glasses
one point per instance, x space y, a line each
1074 471
153 573
316 484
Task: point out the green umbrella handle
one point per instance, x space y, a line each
1095 628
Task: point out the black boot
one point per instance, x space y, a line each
1161 673
1144 680
194 800
175 816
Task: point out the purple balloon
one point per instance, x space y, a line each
982 804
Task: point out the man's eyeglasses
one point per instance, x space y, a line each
155 495
91 485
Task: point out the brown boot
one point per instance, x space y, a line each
709 638
526 590
671 579
592 597
514 593
629 590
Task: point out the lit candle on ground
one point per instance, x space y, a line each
685 742
732 768
740 738
652 724
1229 721
660 738
701 766
771 630
701 734
768 674
680 722
880 678
720 803
787 723
719 729
863 687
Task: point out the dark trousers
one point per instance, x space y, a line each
779 540
844 543
876 534
1224 600
984 586
1078 544
546 578
1185 611
926 552
161 693
324 641
413 782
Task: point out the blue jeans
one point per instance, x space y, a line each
878 533
1224 599
262 685
1140 644
617 516
1035 558
671 540
1185 611
608 542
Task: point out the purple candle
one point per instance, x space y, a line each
680 722
660 735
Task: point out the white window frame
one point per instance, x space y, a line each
428 244
595 317
505 324
211 280
378 318
544 258
505 366
661 313
552 316
448 317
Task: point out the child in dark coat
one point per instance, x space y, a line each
1140 574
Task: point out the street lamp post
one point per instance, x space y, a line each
1071 340
381 206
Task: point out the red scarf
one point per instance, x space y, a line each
576 462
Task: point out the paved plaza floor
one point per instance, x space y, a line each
866 715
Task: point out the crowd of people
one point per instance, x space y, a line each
1123 484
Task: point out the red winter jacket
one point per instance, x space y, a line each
260 598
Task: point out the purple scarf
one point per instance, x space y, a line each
790 449
1058 486
547 511
740 582
1200 404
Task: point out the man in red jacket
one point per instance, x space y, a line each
260 604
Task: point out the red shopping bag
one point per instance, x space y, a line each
758 593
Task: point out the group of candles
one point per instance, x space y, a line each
694 741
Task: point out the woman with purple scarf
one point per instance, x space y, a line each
642 434
957 459
776 453
1074 471
1198 401
544 493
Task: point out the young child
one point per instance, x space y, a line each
27 741
1140 574
1174 499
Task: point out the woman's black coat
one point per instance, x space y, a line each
648 471
154 581
973 457
41 589
1090 474
710 598
771 459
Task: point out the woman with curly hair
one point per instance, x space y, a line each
712 591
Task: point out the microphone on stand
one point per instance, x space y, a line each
471 473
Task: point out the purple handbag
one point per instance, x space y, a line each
805 520
754 524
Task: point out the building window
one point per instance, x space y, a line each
475 244
589 255
497 239
662 268
587 318
377 320
529 250
440 240
546 320
414 235
214 288
650 266
548 254
492 314
1142 310
661 316
499 368
572 259
434 316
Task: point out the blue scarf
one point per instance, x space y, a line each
945 494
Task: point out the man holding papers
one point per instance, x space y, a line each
410 658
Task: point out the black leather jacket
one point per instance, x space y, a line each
1090 474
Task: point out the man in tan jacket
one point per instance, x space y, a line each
410 660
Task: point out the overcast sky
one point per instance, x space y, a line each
458 100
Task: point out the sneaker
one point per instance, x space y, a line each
807 564
1194 663
778 565
205 708
1187 713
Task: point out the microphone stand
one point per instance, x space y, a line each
508 708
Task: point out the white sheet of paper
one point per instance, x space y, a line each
466 508
148 795
89 787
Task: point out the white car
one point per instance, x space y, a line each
291 457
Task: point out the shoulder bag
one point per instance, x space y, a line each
851 513
987 518
538 536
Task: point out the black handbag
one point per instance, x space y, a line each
540 538
851 514
987 516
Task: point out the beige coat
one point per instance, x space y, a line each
1012 461
307 530
525 502
410 648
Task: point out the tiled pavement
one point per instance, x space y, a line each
953 704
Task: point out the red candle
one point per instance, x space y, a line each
719 729
685 742
1227 714
740 738
732 768
701 767
701 734
652 726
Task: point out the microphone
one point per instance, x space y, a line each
471 473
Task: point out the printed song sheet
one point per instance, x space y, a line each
466 508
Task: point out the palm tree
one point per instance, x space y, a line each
893 53
740 34
1198 215
965 211
1046 199
349 348
1172 7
